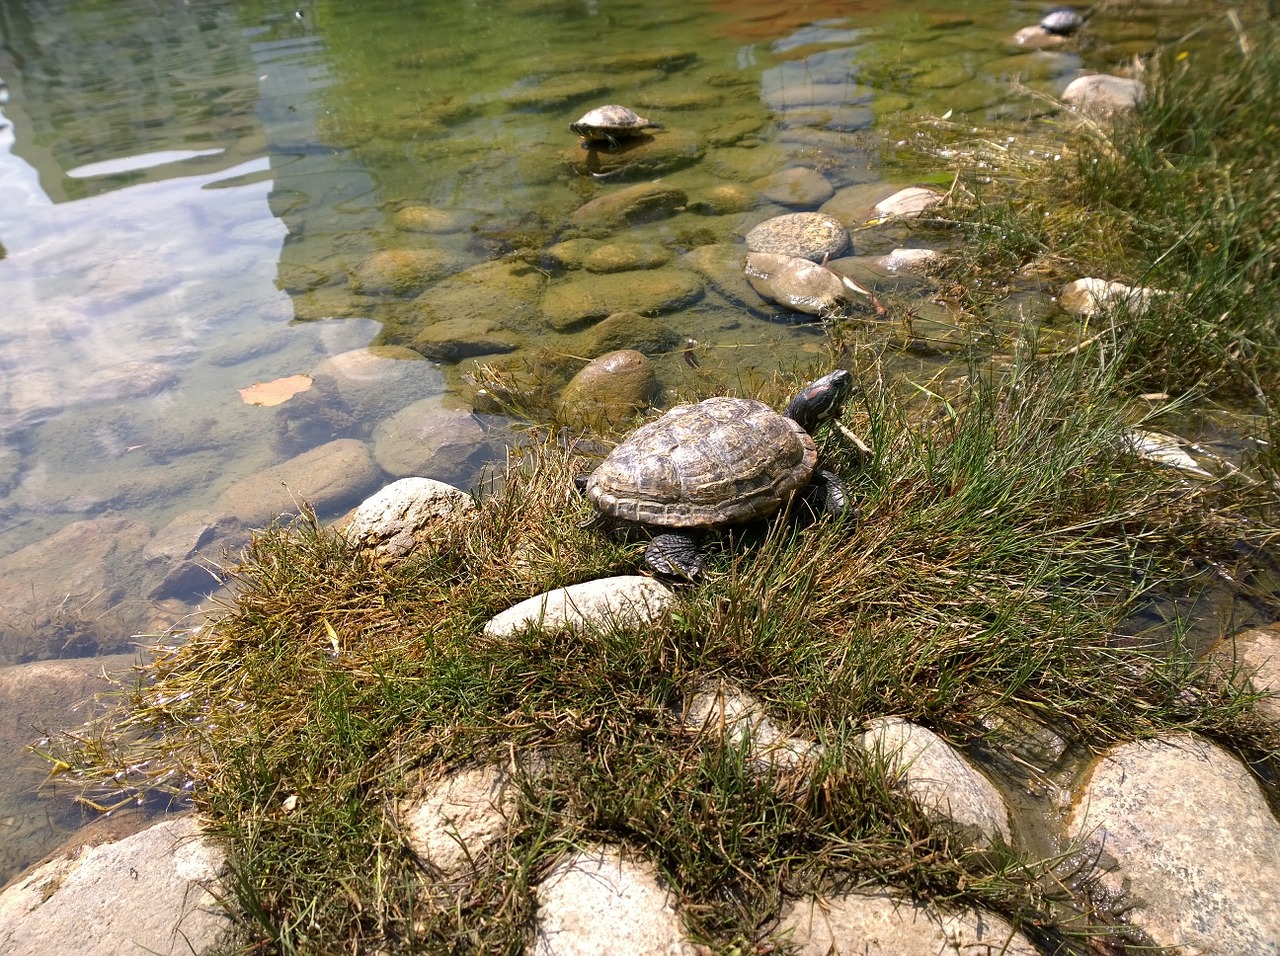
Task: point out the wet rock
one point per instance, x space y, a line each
908 203
402 271
392 523
1253 658
630 330
479 311
1091 296
356 386
910 261
643 202
598 900
555 93
329 478
449 823
653 153
787 90
1185 835
427 441
720 264
881 923
738 131
740 720
417 217
627 601
939 779
155 892
805 235
625 257
1103 94
609 390
571 253
856 204
795 187
676 100
669 60
1036 38
579 298
186 556
1161 449
724 199
804 286
67 596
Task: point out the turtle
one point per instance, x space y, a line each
1061 21
610 123
720 462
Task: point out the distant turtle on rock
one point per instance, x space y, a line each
610 124
720 462
1061 21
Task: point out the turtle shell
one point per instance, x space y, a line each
722 461
610 119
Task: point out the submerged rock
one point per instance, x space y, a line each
643 202
1185 835
630 330
427 441
653 153
795 187
580 298
402 271
329 478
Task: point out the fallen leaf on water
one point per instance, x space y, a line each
273 393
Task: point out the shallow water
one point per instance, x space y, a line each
191 195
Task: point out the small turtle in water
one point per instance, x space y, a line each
610 123
720 462
1061 21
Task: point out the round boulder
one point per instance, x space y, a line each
805 235
609 390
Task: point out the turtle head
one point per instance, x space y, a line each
820 401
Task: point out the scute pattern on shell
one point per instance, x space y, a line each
612 118
721 461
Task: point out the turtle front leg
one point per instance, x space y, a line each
674 554
827 494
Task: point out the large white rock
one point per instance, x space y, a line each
598 902
624 600
148 893
908 203
739 718
879 923
1186 834
451 821
938 778
392 522
1090 295
1101 93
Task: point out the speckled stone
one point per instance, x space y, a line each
806 235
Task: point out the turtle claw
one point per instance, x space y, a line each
674 555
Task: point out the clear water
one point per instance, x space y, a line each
189 193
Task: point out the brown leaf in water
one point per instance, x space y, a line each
273 393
